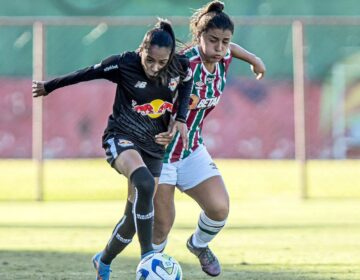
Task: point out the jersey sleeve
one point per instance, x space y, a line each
184 90
107 69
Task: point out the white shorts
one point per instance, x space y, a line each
189 172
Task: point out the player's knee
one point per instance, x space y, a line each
219 213
144 182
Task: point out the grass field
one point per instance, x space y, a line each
271 233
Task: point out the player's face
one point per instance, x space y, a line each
154 59
214 44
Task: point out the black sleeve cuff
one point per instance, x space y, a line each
47 89
180 119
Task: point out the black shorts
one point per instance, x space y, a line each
115 144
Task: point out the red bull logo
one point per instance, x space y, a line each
154 109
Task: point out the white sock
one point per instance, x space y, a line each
206 230
159 247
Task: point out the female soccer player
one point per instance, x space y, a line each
192 170
150 82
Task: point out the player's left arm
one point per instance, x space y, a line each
256 64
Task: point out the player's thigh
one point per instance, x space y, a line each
212 197
122 154
128 161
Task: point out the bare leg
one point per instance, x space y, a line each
164 213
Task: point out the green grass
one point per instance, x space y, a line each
264 239
271 233
66 180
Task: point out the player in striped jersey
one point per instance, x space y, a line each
193 170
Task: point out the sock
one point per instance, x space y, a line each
143 208
121 236
159 248
206 230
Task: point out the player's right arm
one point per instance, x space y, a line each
257 65
107 69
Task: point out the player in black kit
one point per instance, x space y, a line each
152 84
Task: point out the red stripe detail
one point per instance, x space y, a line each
179 145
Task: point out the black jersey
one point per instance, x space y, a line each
142 106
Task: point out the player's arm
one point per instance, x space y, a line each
184 91
257 65
105 70
164 138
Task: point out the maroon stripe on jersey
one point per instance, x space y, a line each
179 145
216 90
202 92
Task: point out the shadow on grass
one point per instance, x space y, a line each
31 265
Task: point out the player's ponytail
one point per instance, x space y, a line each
163 35
166 26
208 17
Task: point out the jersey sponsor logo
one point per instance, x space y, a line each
208 102
173 83
125 143
111 67
154 109
140 84
197 103
213 165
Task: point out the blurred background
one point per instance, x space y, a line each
305 113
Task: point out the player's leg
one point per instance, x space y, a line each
164 206
126 159
164 215
129 163
213 198
200 179
123 232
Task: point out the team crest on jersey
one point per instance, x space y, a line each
125 143
210 79
173 83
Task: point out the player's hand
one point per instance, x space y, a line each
258 68
38 88
163 138
183 130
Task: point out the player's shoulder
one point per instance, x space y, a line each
129 56
191 52
184 61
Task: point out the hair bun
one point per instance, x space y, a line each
163 24
216 6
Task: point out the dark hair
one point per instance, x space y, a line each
162 35
208 17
